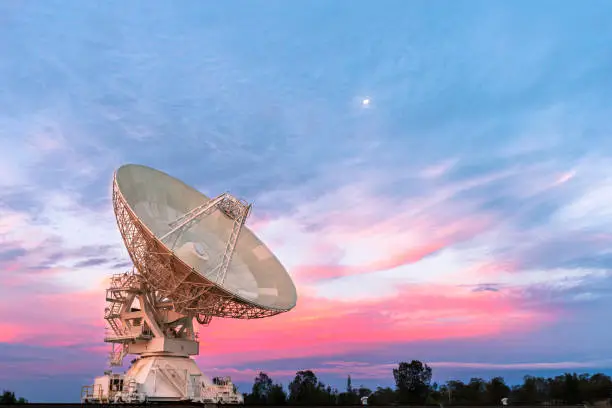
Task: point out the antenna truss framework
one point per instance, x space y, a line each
190 292
230 206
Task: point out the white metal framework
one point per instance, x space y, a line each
141 322
138 319
165 272
193 259
235 209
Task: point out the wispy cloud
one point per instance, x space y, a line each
320 326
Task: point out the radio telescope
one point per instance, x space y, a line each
193 259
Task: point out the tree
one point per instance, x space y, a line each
277 395
435 396
476 391
496 389
306 389
8 398
572 394
265 392
412 381
349 397
383 396
330 396
534 390
597 388
456 392
413 387
261 387
363 392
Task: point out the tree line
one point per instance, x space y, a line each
9 398
413 386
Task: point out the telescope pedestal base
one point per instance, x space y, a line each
176 378
163 378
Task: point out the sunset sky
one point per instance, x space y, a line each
462 217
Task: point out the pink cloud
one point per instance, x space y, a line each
44 319
323 327
565 177
489 270
10 332
317 326
45 367
402 241
308 274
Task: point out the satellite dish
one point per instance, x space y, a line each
193 258
196 250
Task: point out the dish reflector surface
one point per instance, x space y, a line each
254 276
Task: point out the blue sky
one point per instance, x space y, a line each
461 217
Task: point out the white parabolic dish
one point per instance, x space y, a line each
254 276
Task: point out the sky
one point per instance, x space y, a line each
435 176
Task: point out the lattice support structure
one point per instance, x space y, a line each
123 288
229 205
140 322
239 213
162 271
118 353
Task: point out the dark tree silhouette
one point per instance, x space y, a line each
348 398
413 387
534 390
306 389
412 381
596 387
476 391
277 395
8 398
352 396
265 392
495 390
383 396
363 392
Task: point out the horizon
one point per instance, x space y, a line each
434 179
511 378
